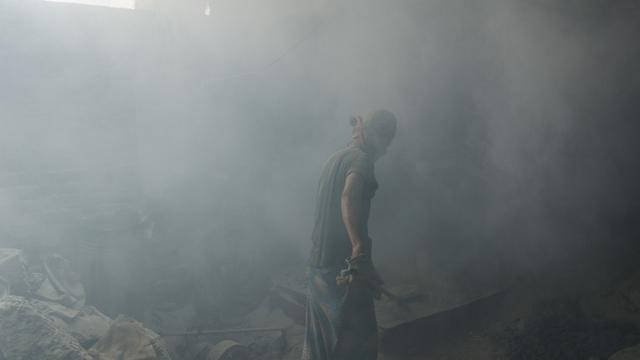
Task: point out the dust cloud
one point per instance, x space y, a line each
138 142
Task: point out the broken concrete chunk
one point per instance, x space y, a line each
29 330
158 344
128 339
49 278
630 353
89 325
62 283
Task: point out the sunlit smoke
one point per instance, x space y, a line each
122 4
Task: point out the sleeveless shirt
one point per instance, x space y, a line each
330 242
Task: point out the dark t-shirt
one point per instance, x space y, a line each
330 241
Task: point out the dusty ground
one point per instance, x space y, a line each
541 322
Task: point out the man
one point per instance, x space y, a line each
340 317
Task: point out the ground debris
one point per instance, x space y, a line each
562 330
43 316
29 331
630 353
128 339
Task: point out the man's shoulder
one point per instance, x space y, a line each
356 160
351 153
350 159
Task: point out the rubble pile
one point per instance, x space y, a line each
30 329
43 316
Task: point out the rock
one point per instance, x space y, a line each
158 344
89 325
29 330
48 278
57 325
630 353
128 339
62 284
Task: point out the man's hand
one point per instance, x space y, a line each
361 270
363 267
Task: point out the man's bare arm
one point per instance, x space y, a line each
351 205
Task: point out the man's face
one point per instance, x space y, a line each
380 141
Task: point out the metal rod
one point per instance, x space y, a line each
227 331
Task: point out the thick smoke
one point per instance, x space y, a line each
135 141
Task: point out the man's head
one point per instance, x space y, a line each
374 131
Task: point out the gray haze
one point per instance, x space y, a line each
132 141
